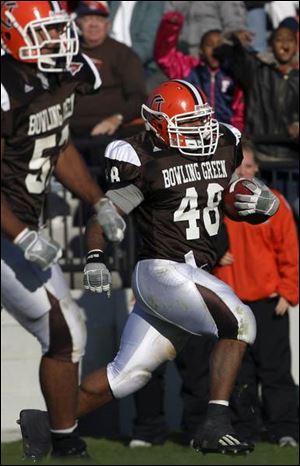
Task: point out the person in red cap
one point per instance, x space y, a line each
99 8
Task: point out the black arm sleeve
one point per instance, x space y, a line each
241 63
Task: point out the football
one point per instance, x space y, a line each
238 187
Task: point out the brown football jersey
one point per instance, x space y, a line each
36 109
176 198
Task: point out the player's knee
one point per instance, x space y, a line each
126 382
239 324
67 331
246 325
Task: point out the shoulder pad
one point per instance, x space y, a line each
82 68
122 151
233 131
5 100
15 89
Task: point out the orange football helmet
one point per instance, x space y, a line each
39 32
179 114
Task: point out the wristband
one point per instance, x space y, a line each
100 201
120 117
95 255
21 235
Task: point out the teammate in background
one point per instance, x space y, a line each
262 267
41 73
173 177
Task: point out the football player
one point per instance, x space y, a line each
172 176
41 73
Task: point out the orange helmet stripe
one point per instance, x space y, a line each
198 95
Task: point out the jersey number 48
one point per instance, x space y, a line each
189 211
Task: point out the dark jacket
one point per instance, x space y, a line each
122 89
271 98
219 88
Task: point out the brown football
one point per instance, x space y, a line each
238 187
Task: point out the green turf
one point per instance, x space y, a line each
115 452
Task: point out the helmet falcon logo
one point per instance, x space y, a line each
10 6
157 102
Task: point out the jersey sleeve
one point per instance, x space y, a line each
7 113
235 136
124 176
6 103
85 74
238 155
13 95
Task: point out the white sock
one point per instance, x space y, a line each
69 430
219 402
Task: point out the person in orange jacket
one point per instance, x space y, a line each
261 265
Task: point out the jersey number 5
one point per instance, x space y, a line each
189 211
40 162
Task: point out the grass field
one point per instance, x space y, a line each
116 452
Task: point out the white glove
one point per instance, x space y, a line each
111 221
262 201
38 248
96 276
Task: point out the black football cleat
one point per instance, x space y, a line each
68 445
227 444
217 435
35 432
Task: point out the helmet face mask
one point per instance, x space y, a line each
193 132
48 39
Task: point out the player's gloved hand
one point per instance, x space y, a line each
262 201
96 276
38 248
111 221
